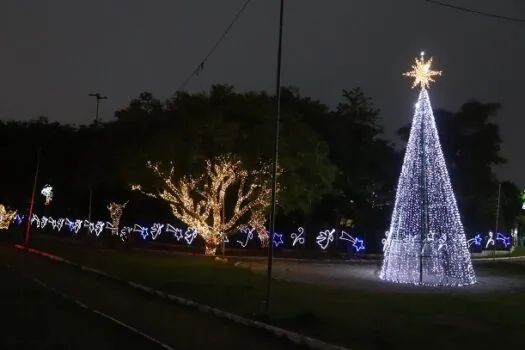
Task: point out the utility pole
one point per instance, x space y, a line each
223 245
28 227
497 222
275 159
98 97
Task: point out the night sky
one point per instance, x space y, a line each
55 52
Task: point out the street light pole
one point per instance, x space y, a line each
497 221
98 97
275 159
29 217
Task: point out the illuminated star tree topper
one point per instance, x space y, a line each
422 73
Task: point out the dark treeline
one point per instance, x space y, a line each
339 171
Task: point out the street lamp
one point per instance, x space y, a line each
275 159
98 97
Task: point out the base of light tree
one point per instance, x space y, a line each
437 267
263 238
210 249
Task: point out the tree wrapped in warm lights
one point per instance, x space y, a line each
199 201
426 243
6 217
115 212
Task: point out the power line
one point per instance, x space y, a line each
481 13
200 67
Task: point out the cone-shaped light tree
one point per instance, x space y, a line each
426 243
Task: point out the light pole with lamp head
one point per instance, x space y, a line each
273 206
98 97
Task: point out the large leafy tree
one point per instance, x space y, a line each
191 129
366 164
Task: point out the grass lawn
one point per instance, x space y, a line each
518 251
353 318
33 317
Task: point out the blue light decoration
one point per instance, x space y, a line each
298 238
476 240
74 226
156 230
142 230
277 239
248 232
504 239
324 238
19 218
426 244
357 244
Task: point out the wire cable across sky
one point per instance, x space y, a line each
481 13
200 67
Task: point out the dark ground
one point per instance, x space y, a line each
334 303
34 316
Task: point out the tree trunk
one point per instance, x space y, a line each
264 239
210 247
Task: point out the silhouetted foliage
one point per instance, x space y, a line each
338 170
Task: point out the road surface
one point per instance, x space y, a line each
33 317
175 326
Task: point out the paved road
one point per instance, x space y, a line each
364 276
176 326
33 317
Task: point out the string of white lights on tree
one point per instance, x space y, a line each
198 201
115 212
6 217
426 243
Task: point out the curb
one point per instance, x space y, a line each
293 337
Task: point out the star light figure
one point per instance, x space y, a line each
277 239
422 73
358 245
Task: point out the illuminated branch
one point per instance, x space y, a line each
198 201
6 217
115 212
